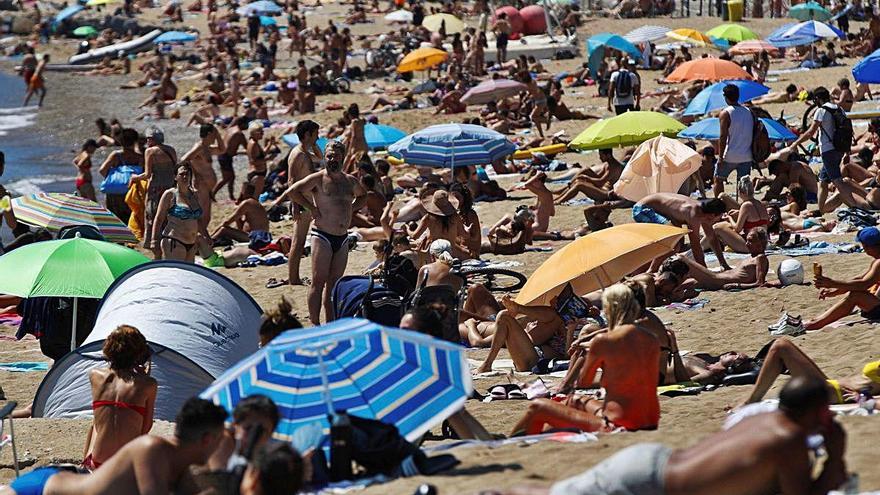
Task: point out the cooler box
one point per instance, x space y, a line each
735 10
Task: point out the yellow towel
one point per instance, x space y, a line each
135 199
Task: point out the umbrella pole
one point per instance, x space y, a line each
326 386
73 326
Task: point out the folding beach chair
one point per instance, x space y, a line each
6 413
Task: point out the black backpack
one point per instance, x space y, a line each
400 274
623 84
761 145
842 138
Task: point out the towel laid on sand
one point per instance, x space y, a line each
25 366
10 319
691 304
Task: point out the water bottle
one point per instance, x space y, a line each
340 447
866 400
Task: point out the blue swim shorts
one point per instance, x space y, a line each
32 483
646 214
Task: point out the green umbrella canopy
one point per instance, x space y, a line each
65 268
732 32
85 31
626 129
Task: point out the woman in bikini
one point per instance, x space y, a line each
629 355
123 396
469 218
83 164
256 177
750 273
750 214
442 221
177 220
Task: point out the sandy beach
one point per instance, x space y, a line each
730 321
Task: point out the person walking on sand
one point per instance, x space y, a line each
123 396
735 141
148 464
330 195
502 31
36 83
200 158
624 90
233 139
305 159
160 169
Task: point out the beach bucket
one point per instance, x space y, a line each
735 10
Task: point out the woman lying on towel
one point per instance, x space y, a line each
784 355
629 355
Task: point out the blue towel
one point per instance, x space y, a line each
25 366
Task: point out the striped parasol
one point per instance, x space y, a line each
56 210
646 33
400 377
451 145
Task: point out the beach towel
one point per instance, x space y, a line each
10 319
271 259
135 199
22 366
579 202
692 304
490 264
559 436
813 249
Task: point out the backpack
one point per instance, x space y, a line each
761 146
623 84
843 130
400 274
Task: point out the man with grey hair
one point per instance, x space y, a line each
160 171
330 195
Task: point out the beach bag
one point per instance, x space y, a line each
400 274
761 146
843 130
623 84
117 180
379 448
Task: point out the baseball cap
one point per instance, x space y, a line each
869 236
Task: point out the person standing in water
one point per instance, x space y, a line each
36 83
330 195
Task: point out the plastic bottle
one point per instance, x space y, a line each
340 447
866 400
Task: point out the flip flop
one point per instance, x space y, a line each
498 392
274 282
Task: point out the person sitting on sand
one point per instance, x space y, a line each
254 419
749 273
442 221
510 234
148 464
250 220
749 214
123 396
530 333
629 355
858 292
772 456
784 356
683 211
440 270
788 173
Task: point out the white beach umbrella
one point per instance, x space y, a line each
400 16
646 33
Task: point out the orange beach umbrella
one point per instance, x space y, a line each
708 69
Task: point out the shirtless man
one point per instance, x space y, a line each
330 195
302 83
750 273
789 173
200 158
233 139
249 216
304 160
355 142
597 186
148 464
682 211
772 456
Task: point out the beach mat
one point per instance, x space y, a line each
21 366
691 304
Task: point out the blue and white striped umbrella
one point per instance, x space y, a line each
400 377
260 7
646 33
710 129
452 145
775 38
814 29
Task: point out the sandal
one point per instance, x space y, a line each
498 392
274 282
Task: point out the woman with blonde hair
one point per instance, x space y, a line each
629 356
745 216
123 396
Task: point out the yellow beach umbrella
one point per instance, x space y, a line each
690 36
422 59
453 24
599 260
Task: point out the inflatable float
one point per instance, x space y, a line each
550 150
139 44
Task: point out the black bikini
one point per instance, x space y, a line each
335 241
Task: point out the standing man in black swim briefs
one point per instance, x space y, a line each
330 196
304 159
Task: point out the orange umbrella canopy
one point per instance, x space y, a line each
599 260
753 46
708 69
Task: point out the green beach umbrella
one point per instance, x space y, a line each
627 129
810 11
65 268
732 32
85 31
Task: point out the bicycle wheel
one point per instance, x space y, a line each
495 279
343 85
